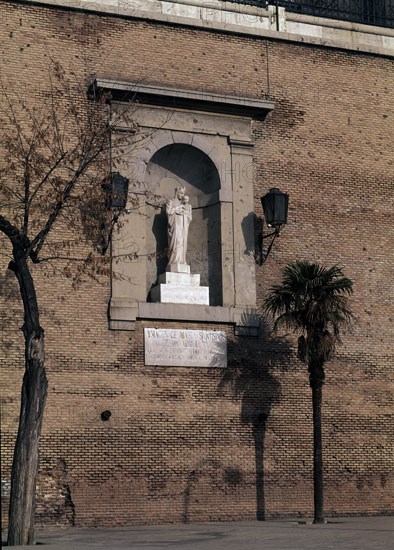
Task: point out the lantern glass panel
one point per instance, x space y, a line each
275 206
119 190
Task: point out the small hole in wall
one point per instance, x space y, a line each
105 415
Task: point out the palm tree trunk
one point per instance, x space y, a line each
34 391
317 453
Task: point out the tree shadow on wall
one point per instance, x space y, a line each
216 472
250 377
11 314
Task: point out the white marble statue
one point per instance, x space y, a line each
177 285
179 214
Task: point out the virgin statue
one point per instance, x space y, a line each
179 214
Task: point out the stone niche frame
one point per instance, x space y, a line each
220 127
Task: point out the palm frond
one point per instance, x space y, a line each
314 301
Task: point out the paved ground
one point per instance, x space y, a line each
338 534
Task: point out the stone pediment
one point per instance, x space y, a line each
179 98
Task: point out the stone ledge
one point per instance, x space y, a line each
184 312
123 314
181 98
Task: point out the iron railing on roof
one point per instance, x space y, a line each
368 12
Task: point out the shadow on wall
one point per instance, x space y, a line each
251 379
159 229
217 474
12 309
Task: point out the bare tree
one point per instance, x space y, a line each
54 174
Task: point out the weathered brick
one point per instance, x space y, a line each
184 444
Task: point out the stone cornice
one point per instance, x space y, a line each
248 20
181 98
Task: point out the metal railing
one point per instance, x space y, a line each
367 12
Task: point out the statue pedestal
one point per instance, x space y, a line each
180 288
177 268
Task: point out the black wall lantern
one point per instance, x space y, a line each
117 190
275 206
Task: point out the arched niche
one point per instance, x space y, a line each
211 154
182 164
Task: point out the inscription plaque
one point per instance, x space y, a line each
185 348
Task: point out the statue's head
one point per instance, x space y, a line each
180 192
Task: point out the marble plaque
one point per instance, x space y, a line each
185 348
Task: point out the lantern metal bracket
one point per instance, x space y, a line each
263 255
116 201
108 231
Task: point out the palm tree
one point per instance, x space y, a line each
313 300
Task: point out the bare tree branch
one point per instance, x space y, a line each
8 229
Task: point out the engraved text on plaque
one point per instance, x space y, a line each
185 348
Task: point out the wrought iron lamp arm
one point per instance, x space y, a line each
263 256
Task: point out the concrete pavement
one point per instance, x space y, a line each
376 533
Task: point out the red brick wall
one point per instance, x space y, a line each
183 444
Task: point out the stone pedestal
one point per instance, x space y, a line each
177 268
180 288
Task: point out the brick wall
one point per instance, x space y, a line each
190 444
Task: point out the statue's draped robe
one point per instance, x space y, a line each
179 218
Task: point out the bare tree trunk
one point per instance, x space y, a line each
317 454
34 392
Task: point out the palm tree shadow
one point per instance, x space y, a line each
251 378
